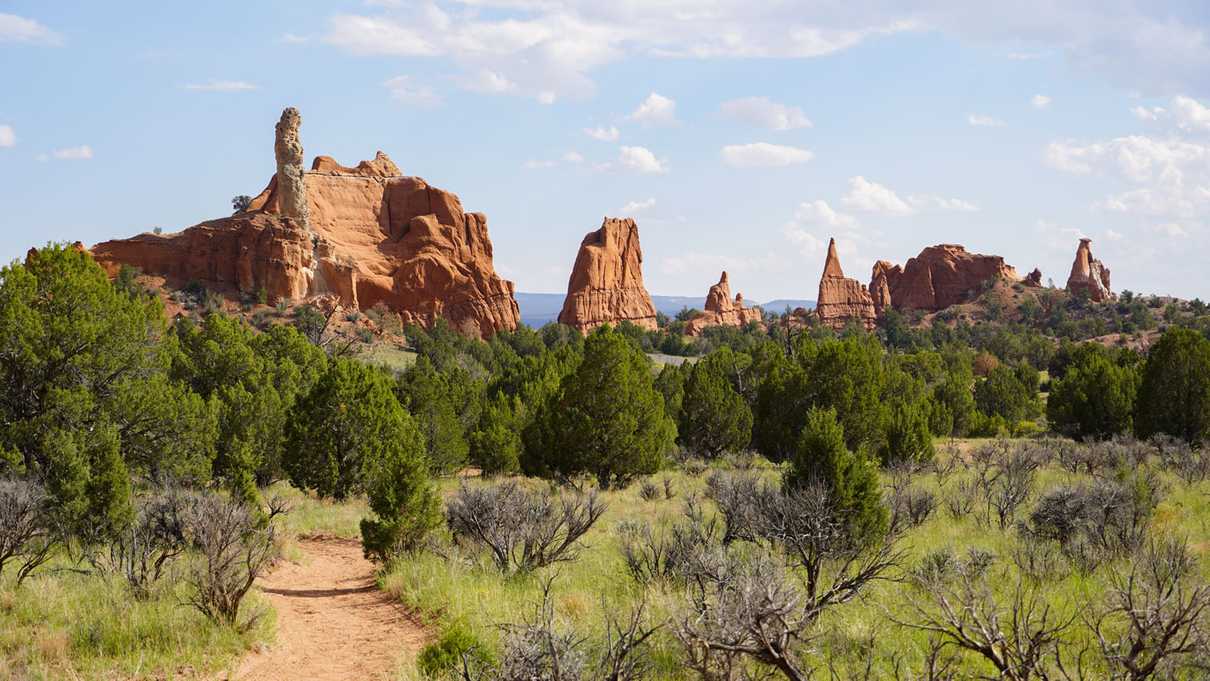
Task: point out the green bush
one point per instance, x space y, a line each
445 655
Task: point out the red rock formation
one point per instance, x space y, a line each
1033 279
606 284
939 277
1088 275
367 234
722 310
842 301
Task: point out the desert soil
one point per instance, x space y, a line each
333 623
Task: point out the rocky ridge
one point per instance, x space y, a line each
366 234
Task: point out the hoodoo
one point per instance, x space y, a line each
606 284
941 276
367 234
1088 275
723 310
842 301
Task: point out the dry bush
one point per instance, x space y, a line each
26 531
1189 463
1155 615
1005 477
1019 635
523 531
235 545
673 555
738 496
648 490
910 507
1097 521
960 501
141 552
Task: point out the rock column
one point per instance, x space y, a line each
287 147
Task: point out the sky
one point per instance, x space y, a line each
740 135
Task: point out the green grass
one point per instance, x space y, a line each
60 624
387 355
468 590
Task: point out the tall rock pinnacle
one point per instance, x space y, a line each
287 147
842 301
1088 275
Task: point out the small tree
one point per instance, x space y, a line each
400 495
1095 399
1174 395
850 478
908 437
348 423
714 417
606 420
240 203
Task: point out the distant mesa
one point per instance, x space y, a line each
842 301
366 235
723 310
941 276
1089 277
606 283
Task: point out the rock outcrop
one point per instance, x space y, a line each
1089 277
842 301
606 284
939 277
723 310
366 234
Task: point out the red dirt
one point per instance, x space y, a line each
333 623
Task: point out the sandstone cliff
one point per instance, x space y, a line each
939 277
842 301
606 284
366 234
722 310
1088 275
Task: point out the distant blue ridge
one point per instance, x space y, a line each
539 308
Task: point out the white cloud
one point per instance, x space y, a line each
80 153
1040 101
655 110
603 134
546 97
15 29
872 197
766 113
1148 114
641 160
1159 47
1113 235
293 39
1191 114
764 155
573 157
984 121
1170 229
222 86
635 207
819 213
8 137
1170 177
488 82
404 89
931 202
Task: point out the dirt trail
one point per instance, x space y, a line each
332 621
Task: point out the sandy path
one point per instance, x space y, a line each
332 621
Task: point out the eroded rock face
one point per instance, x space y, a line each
368 234
842 301
1088 275
939 277
606 284
722 310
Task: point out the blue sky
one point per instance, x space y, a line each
739 135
